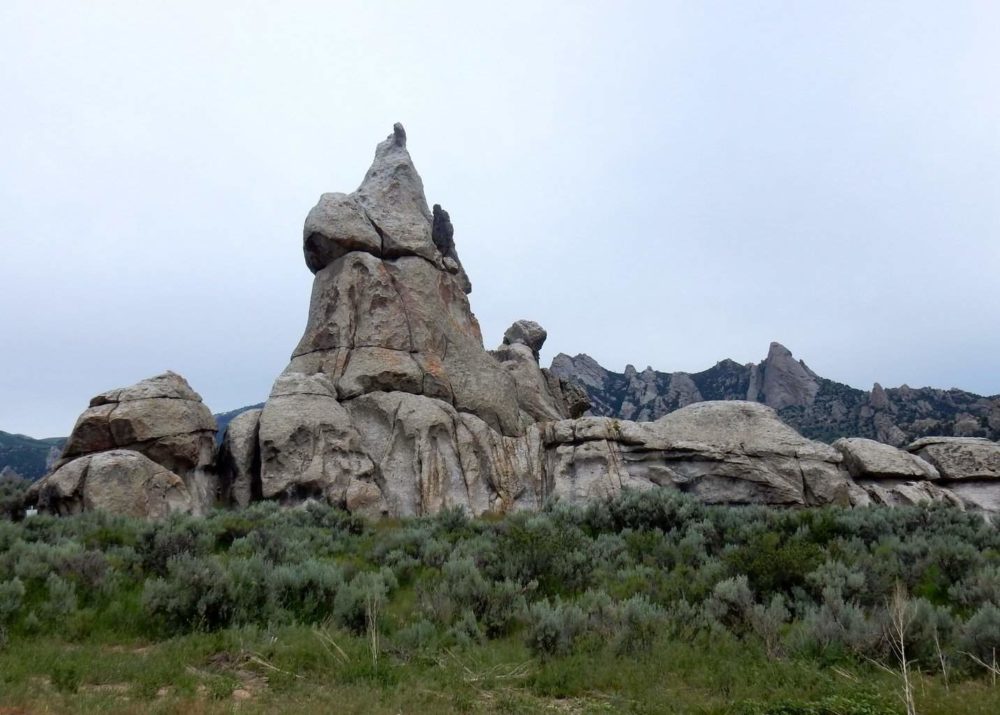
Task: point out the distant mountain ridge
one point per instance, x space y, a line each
817 407
27 456
31 458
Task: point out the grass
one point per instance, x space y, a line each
290 670
648 604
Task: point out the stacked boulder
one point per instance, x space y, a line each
885 475
145 450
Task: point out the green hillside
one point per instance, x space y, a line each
25 455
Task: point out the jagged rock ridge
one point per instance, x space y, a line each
819 408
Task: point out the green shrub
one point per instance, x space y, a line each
640 623
364 595
980 636
194 595
307 590
13 488
11 600
61 601
553 628
175 537
772 563
730 604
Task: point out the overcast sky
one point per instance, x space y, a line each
655 183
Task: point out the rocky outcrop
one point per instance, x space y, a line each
783 381
902 493
970 468
118 481
396 318
308 445
390 404
888 476
723 452
161 417
137 441
541 395
960 458
868 459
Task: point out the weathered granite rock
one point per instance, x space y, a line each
960 458
526 332
981 496
161 417
531 387
334 227
355 303
541 395
308 445
570 400
118 481
884 492
418 443
786 381
741 452
239 460
392 195
868 459
402 325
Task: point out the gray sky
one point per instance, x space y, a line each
655 183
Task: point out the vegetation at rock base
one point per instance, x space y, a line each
649 603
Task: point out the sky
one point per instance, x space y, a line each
656 183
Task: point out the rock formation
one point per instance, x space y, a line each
143 450
391 405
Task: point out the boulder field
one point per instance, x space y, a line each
391 406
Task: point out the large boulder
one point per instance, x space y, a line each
117 481
741 452
335 226
387 216
868 459
970 466
526 332
308 446
960 458
541 395
419 444
160 417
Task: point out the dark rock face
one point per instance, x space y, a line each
442 232
819 408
